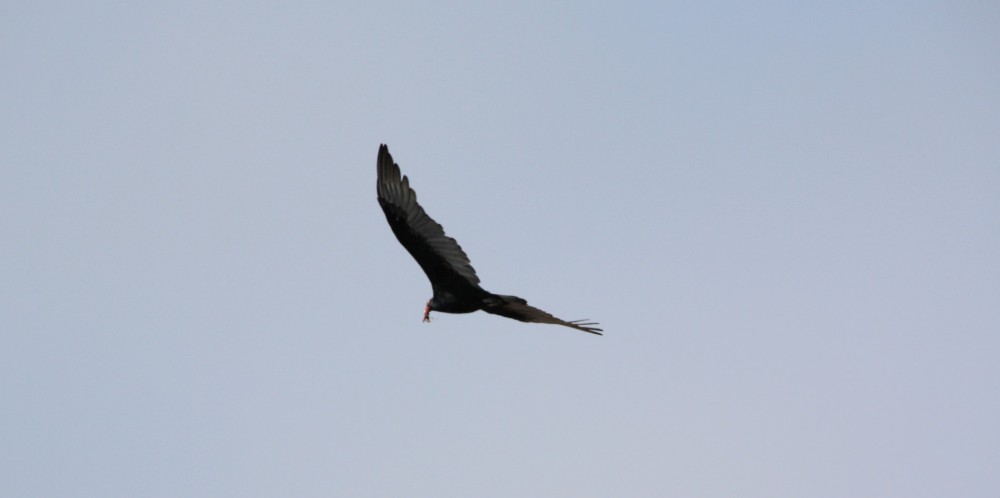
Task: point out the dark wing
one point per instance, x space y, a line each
441 258
519 309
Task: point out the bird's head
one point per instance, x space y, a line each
431 305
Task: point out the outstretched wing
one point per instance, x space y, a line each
519 309
441 258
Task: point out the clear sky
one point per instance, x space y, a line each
786 217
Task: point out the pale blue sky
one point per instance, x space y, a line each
785 216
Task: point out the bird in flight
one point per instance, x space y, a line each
456 286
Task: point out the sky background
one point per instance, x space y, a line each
786 217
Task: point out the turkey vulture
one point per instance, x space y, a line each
456 286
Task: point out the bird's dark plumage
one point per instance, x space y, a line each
454 281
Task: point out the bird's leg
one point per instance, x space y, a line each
427 313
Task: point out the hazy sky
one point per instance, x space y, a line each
785 216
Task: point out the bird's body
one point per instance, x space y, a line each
454 281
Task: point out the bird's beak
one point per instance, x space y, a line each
427 313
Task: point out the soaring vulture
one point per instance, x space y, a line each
456 286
